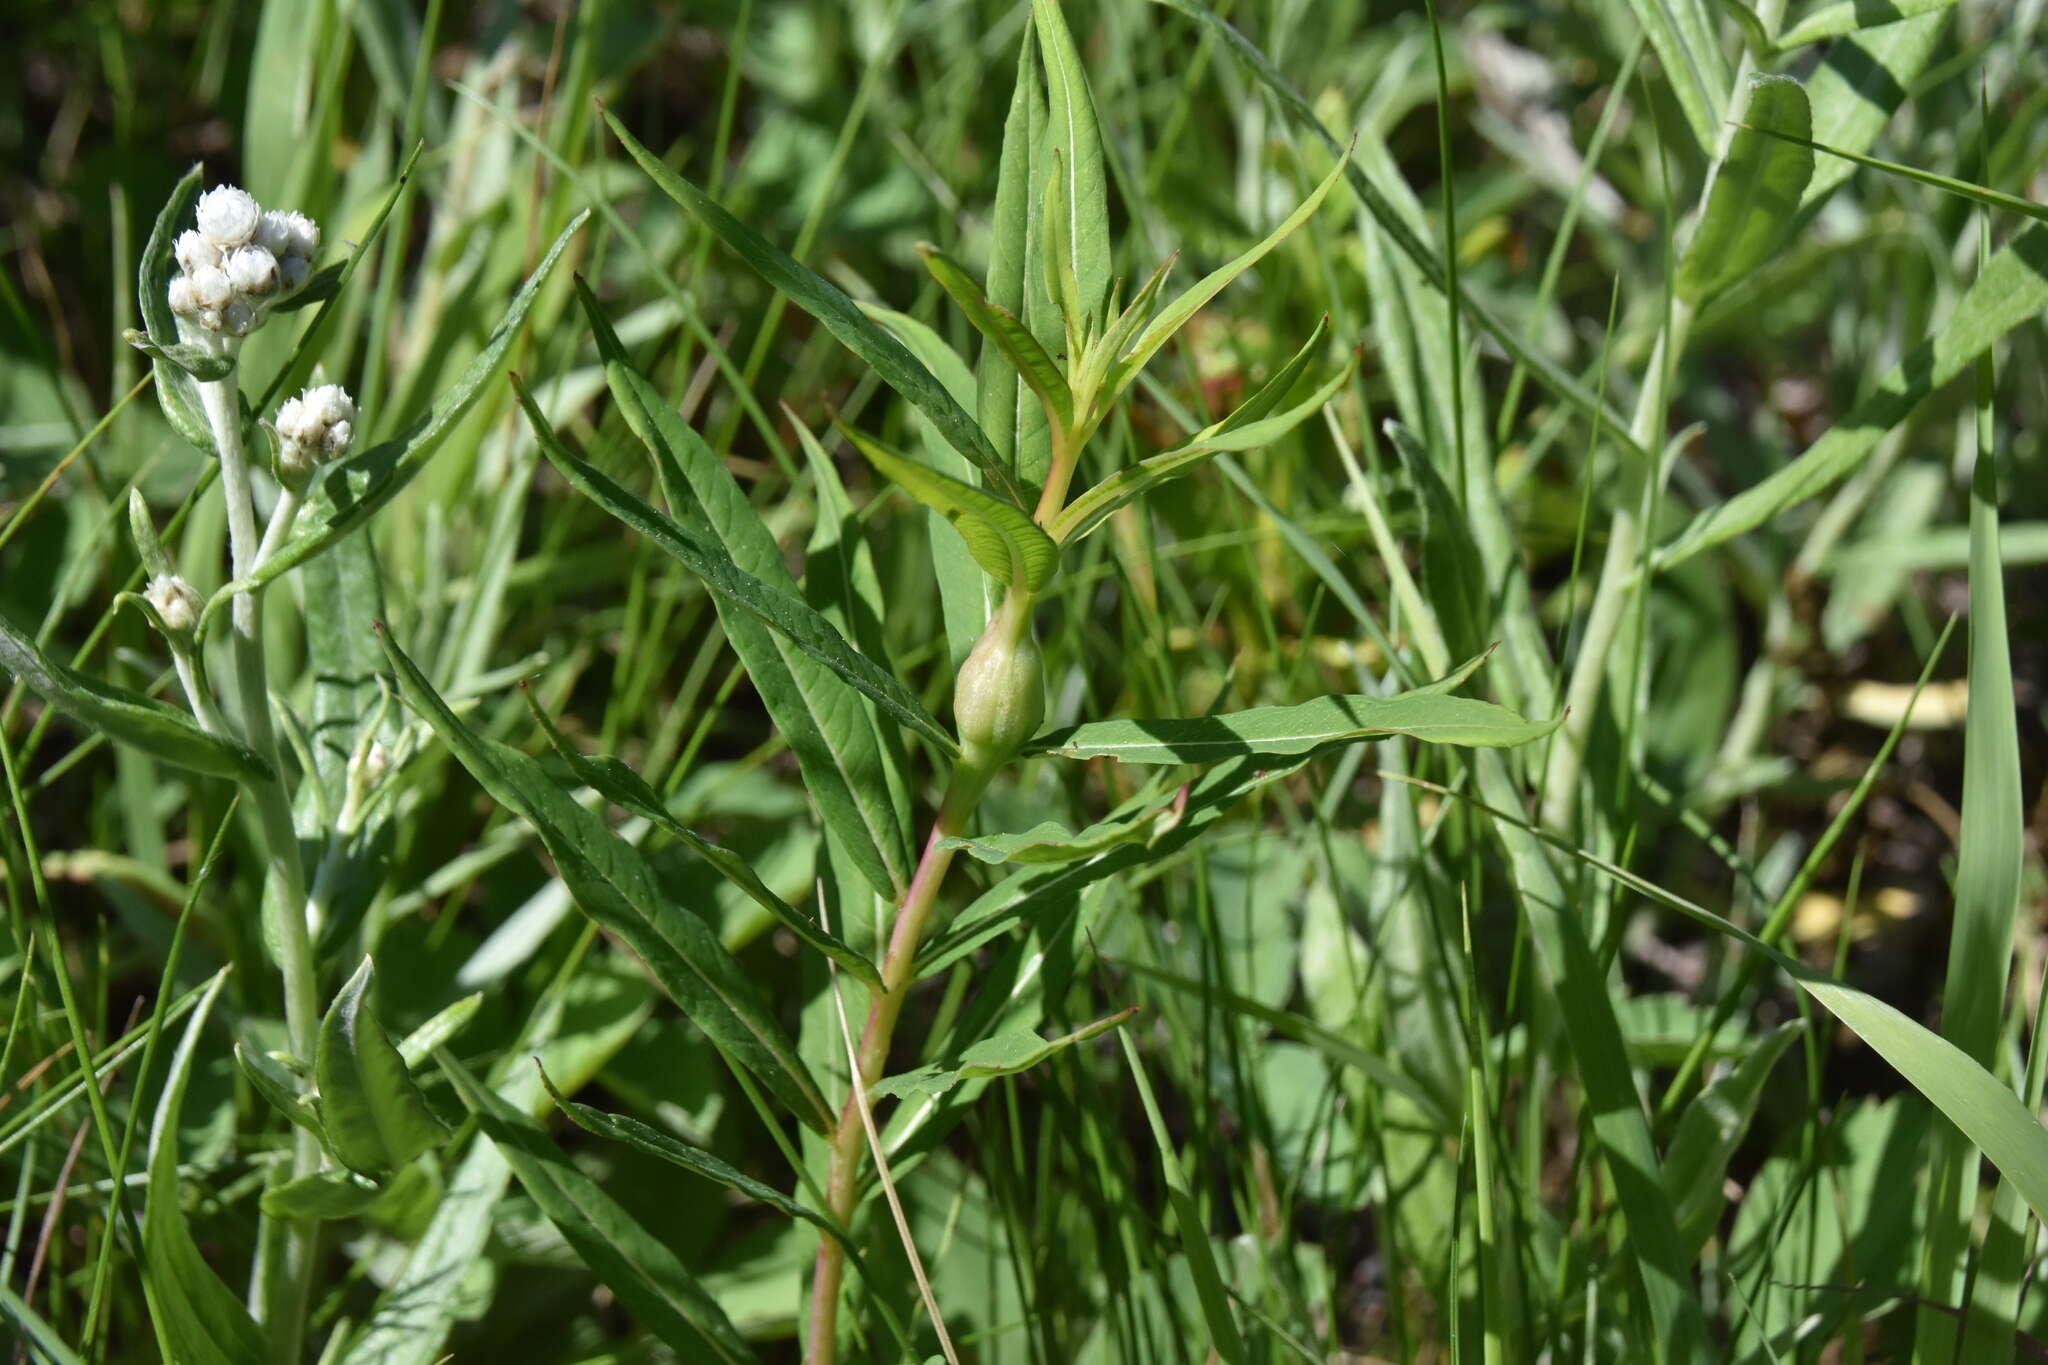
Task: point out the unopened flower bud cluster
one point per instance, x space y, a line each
240 262
313 428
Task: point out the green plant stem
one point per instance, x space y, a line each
842 1184
1620 581
285 1269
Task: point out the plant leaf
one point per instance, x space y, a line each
636 1265
1051 842
967 596
375 1117
1197 295
345 494
1083 229
323 1195
626 789
803 287
1005 542
1003 328
2010 290
201 362
1283 731
202 1320
1858 86
1092 508
126 717
1754 191
1681 32
1709 1131
1962 189
1004 1054
1014 423
791 617
1852 16
654 1142
176 390
614 886
268 1079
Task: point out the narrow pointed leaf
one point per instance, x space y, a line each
375 1117
636 1265
1051 842
612 884
852 764
418 1045
1709 1131
1005 542
203 1320
1092 508
1682 33
201 362
1197 295
1083 229
626 789
808 291
1010 413
1853 16
1754 191
322 1196
790 616
176 389
1010 335
1004 1054
270 1081
1962 189
654 1142
126 717
1281 731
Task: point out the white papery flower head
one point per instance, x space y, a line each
228 215
176 602
314 428
240 262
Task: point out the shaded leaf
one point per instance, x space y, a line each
1709 1131
176 389
126 717
636 1265
322 1195
1005 330
203 363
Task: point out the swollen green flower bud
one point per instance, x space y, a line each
999 695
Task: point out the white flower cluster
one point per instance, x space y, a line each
240 262
313 428
177 603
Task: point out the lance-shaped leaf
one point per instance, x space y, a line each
1052 842
851 763
202 1321
176 389
201 362
1754 191
654 1142
322 1196
636 1265
1682 33
1083 192
790 616
1002 327
347 493
1005 1054
375 1117
126 717
626 789
612 884
1853 16
1007 544
1280 731
418 1045
1191 301
268 1078
1010 415
803 287
1092 508
2011 289
149 547
1710 1130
